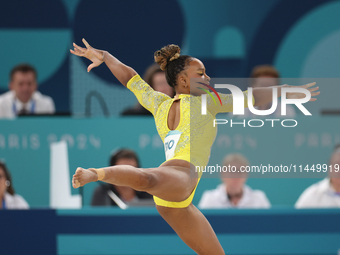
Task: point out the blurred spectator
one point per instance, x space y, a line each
325 193
266 76
155 77
23 97
126 194
234 193
9 200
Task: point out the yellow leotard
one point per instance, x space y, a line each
197 130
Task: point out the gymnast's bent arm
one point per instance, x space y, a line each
121 71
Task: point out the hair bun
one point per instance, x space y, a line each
167 54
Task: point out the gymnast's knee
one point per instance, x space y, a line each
146 180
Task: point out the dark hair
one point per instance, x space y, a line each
10 188
25 68
169 59
123 153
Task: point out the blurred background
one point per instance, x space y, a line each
301 39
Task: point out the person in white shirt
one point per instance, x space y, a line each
8 198
23 97
234 193
325 193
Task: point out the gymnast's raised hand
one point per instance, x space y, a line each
96 56
310 87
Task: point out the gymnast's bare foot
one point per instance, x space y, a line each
84 176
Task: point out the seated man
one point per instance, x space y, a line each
325 193
234 193
126 194
23 97
266 76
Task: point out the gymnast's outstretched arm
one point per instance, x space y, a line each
264 95
146 96
121 71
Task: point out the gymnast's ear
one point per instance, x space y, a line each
182 80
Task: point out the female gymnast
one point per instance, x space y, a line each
179 121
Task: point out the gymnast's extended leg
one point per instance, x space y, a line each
171 183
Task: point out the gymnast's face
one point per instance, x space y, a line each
192 75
